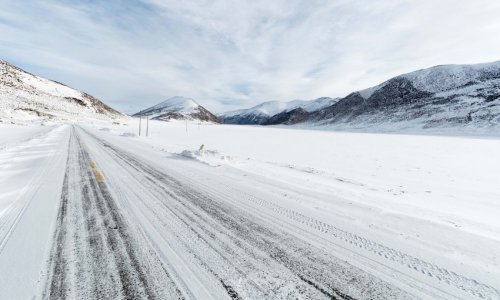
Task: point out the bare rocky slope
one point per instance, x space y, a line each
24 96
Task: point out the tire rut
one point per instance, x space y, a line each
95 253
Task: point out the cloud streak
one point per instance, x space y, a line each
229 54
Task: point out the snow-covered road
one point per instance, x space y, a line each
120 219
95 253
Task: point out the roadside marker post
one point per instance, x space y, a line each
140 119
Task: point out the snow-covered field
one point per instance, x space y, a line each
449 180
258 212
436 197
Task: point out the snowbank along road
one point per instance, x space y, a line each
126 222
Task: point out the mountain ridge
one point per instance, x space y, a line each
25 96
460 96
437 97
262 113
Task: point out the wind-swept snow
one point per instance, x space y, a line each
31 176
12 134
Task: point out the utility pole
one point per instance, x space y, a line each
140 119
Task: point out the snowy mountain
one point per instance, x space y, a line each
261 113
178 108
447 96
24 96
458 96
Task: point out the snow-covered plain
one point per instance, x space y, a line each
426 171
418 213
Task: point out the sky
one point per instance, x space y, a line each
232 54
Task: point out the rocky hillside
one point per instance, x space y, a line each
460 97
24 96
178 108
291 117
262 113
438 97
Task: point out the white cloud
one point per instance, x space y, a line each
239 53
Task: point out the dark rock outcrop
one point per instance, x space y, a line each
294 116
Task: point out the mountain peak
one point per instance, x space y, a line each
178 107
175 104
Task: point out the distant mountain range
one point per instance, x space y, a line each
178 108
441 96
262 113
454 96
24 96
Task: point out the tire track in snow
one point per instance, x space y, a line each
413 264
95 253
461 282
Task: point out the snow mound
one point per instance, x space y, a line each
129 134
210 157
